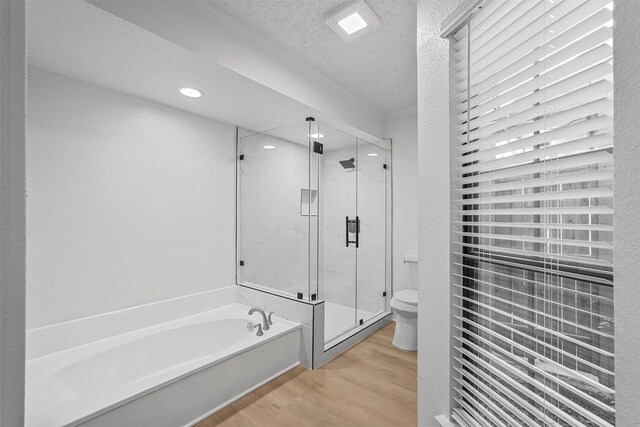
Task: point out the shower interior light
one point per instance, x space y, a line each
372 154
191 92
316 135
269 147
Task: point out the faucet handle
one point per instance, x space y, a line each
251 326
269 321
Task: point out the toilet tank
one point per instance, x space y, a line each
411 265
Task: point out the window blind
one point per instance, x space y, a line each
532 142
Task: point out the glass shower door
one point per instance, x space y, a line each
338 231
372 211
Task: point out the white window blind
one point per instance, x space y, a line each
532 134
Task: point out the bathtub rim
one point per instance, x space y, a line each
72 333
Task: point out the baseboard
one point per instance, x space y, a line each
241 395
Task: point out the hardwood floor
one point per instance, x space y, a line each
372 384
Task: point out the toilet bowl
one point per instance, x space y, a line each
405 304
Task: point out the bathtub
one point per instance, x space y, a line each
168 374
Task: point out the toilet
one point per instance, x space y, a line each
405 304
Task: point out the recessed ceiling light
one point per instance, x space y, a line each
353 20
372 154
316 135
269 147
352 23
191 92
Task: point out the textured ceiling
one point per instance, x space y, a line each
379 67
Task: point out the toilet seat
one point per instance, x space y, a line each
405 300
407 296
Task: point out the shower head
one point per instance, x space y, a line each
348 164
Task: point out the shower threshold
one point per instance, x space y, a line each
340 320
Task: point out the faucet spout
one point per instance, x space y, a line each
265 322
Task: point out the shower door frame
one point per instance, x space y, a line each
338 341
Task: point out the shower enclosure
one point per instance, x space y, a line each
314 221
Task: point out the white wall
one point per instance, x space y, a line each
434 210
12 211
626 38
129 202
404 133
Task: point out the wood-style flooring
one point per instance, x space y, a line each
371 384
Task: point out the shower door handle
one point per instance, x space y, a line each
346 231
352 226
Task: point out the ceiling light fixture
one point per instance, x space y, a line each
316 135
269 147
352 23
191 92
353 20
372 154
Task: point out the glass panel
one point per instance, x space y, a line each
316 150
300 223
372 201
338 227
275 210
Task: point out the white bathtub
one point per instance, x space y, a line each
92 382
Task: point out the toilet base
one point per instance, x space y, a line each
406 334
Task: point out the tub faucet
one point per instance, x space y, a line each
265 322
